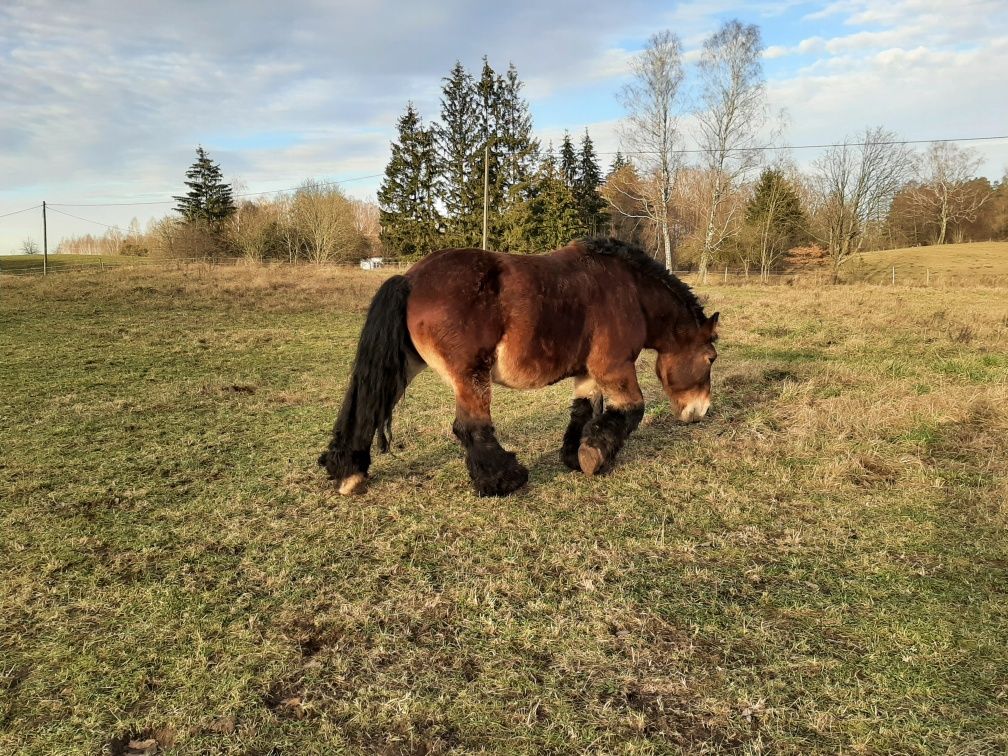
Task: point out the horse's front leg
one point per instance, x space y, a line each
586 405
493 471
604 434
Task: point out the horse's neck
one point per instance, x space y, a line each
664 311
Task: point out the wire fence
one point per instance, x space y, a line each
32 266
896 276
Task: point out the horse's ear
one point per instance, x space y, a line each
712 322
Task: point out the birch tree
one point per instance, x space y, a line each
730 121
651 130
945 194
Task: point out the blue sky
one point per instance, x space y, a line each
105 102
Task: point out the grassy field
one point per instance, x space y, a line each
33 263
975 262
819 567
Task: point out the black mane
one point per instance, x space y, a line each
635 256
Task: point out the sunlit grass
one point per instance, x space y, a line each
973 262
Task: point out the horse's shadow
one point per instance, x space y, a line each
736 397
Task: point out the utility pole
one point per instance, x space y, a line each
45 243
486 189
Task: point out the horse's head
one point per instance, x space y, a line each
684 369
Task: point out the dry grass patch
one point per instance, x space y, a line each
972 263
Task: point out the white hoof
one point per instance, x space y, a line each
353 485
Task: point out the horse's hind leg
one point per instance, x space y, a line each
604 435
493 471
587 404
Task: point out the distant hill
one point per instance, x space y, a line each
979 262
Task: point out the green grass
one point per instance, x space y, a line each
33 263
819 567
976 262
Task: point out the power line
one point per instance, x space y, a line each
700 150
109 204
320 183
87 220
55 205
243 194
33 207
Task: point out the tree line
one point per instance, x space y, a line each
317 223
731 205
739 200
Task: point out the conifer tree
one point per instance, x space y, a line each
775 217
489 96
520 149
209 200
591 206
519 156
554 209
458 142
409 217
568 162
618 162
775 200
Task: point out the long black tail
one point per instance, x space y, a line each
378 381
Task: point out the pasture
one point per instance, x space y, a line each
820 566
970 263
16 264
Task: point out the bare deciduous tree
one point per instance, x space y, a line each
855 184
730 120
651 130
30 247
628 221
945 194
254 230
324 220
367 221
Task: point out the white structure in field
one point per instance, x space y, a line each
372 263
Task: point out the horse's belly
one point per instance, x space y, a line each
515 369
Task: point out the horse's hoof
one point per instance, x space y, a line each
570 460
505 482
498 475
354 485
590 459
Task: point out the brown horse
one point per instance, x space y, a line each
477 318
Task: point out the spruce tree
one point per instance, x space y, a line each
519 155
209 200
591 206
409 217
458 142
489 91
568 162
775 218
618 162
520 149
776 205
554 210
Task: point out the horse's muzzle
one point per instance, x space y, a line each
694 410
